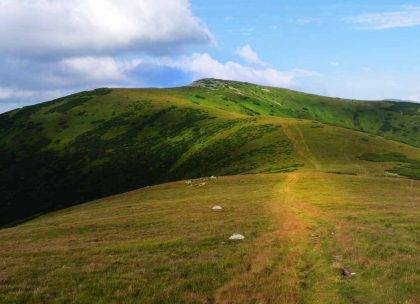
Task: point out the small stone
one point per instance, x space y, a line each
217 208
213 177
236 237
345 272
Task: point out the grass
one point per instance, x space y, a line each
377 228
393 120
139 137
163 244
315 184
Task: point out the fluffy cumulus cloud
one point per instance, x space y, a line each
49 48
84 27
408 17
100 69
249 55
202 65
53 47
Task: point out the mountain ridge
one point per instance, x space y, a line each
106 141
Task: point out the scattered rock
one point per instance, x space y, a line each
345 272
188 182
236 237
213 177
202 184
217 208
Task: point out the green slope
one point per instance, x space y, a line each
107 141
394 120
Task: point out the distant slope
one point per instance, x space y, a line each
394 120
93 144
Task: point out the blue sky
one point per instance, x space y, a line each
321 36
313 34
353 49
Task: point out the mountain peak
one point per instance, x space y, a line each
210 83
214 83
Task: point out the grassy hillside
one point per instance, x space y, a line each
164 244
394 120
315 184
107 141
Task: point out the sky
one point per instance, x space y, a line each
351 49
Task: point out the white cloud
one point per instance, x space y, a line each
86 27
50 48
6 93
248 54
414 97
98 68
12 98
202 65
408 17
371 85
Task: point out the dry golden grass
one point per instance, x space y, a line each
164 244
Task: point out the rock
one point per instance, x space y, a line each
345 272
236 237
213 177
188 182
202 184
217 208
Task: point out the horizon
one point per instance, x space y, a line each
219 79
357 50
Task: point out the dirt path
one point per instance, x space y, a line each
272 272
295 135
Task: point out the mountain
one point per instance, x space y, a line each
325 191
106 141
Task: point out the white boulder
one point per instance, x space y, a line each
236 237
217 208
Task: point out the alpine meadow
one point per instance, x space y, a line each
209 152
317 185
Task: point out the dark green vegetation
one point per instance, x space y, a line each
93 144
406 167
